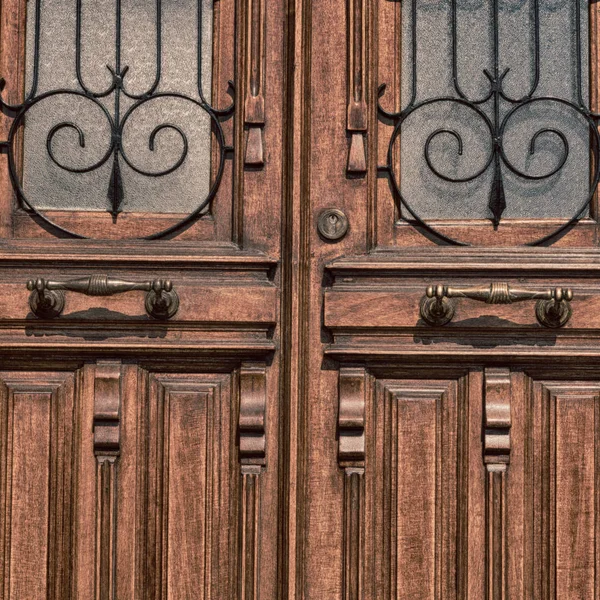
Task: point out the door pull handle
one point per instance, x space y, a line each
47 298
553 307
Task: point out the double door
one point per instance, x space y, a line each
332 359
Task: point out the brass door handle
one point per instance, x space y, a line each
47 298
553 308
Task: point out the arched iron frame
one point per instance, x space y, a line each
117 121
496 125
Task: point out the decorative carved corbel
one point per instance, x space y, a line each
252 441
496 456
351 419
351 457
253 404
254 105
357 106
107 408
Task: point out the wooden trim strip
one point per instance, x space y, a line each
250 510
594 62
351 457
472 261
357 106
107 408
354 502
254 104
12 73
252 454
496 456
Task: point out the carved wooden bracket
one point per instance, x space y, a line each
351 457
496 456
107 406
107 409
497 418
253 405
351 419
254 105
357 106
252 438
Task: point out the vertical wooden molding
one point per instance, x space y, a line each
351 458
252 440
107 406
254 105
594 36
357 106
496 456
13 15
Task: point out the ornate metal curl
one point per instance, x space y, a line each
117 122
496 124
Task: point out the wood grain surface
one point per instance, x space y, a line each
296 431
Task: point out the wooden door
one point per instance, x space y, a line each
140 371
299 300
464 463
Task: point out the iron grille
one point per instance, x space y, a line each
118 114
494 111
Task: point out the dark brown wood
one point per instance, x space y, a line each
296 431
351 455
141 459
107 408
357 106
12 71
496 451
254 99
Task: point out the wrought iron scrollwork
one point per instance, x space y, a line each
117 118
493 112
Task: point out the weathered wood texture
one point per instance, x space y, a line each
297 431
118 482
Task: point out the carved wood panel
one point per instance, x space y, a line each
38 428
184 522
477 484
418 476
120 482
553 488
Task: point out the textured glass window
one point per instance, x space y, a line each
118 41
444 142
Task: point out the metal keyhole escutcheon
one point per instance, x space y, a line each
332 224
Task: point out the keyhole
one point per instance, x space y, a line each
333 223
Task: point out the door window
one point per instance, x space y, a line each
495 120
117 118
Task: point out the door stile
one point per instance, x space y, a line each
496 457
107 408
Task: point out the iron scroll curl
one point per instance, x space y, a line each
494 110
117 120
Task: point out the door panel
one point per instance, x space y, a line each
518 422
180 484
417 522
420 428
119 480
481 482
37 481
552 489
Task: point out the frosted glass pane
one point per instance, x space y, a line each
46 184
559 196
